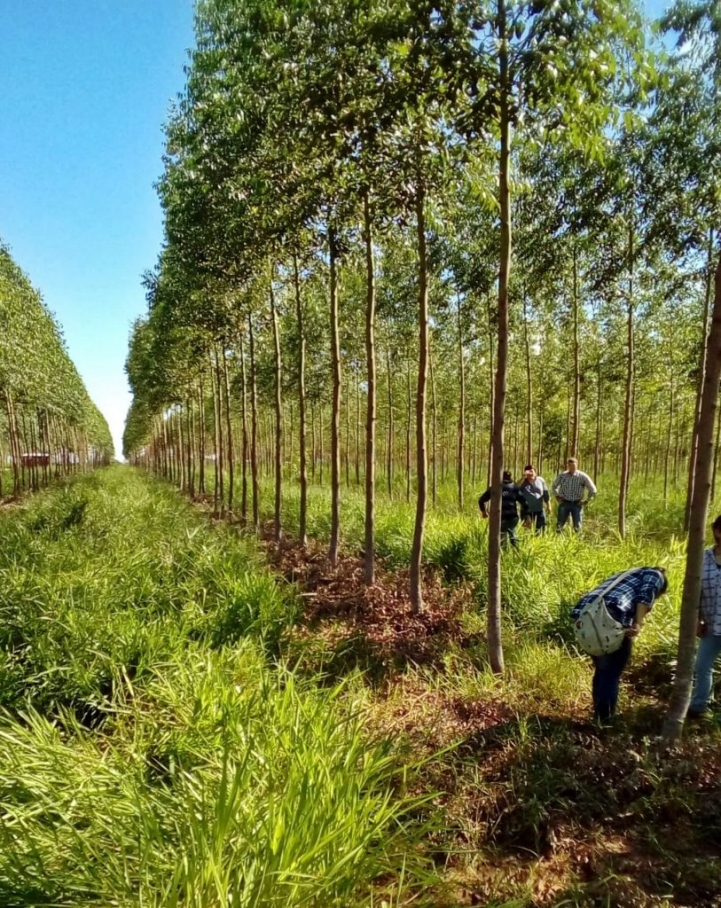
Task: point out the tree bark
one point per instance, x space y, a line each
628 408
253 428
369 535
434 430
228 431
461 409
244 429
416 580
495 648
576 411
302 441
335 415
681 693
278 531
702 366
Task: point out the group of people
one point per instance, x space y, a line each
572 488
609 618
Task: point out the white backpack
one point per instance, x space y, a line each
597 632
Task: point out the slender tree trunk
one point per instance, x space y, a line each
461 408
219 439
303 516
254 428
434 427
228 431
416 580
389 452
576 417
370 494
244 429
492 391
697 525
201 436
278 531
495 648
599 408
409 411
529 384
335 415
628 409
702 366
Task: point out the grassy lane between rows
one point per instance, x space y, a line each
153 749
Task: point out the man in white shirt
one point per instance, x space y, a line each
569 487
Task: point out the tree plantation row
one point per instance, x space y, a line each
48 425
484 231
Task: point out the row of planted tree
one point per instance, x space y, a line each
341 184
49 426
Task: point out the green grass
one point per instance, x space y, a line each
152 753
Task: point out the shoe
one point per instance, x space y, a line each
698 713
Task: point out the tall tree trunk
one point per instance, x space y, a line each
335 415
495 648
434 455
389 452
228 431
599 419
278 532
416 580
409 410
461 408
253 428
697 526
702 365
529 384
370 494
201 436
491 390
303 516
576 413
628 408
244 429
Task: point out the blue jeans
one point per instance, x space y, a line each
570 509
607 678
538 519
708 651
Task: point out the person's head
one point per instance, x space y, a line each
716 529
507 476
664 584
571 465
529 472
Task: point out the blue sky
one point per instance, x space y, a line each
85 86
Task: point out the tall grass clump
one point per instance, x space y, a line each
151 751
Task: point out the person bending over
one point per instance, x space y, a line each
620 604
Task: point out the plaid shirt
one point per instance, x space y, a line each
641 587
570 486
711 592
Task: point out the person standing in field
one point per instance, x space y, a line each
709 626
624 599
536 499
510 499
568 487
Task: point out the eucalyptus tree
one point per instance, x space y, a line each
536 66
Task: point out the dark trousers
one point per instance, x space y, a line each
508 532
538 519
606 679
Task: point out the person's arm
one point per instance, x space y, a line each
588 482
642 609
546 497
483 501
556 485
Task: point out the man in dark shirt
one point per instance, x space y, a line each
510 498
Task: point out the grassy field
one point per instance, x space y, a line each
181 726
